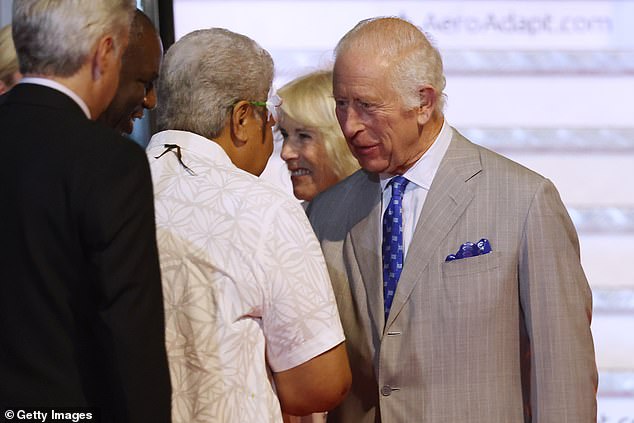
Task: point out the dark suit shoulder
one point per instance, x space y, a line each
336 197
47 121
347 202
119 147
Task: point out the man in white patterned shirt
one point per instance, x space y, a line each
251 318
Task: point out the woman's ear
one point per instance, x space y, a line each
428 100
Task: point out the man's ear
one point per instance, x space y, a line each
240 115
428 100
103 57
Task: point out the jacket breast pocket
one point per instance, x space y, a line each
471 265
475 286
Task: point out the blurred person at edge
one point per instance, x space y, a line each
9 67
248 301
139 70
456 271
314 147
80 291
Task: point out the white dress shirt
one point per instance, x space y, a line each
420 176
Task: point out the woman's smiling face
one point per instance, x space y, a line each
306 158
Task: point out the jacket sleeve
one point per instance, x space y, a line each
560 375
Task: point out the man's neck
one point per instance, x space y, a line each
432 128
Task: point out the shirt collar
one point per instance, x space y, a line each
59 87
188 141
423 171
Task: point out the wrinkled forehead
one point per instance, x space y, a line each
359 68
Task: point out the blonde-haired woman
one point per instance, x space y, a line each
9 67
314 149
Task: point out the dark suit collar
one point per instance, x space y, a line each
40 95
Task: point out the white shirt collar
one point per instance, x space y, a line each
59 87
423 171
189 141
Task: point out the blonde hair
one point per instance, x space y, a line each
8 59
308 100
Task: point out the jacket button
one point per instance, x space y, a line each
386 390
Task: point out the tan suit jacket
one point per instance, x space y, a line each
498 338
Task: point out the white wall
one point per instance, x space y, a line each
5 12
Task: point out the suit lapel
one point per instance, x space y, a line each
448 197
365 242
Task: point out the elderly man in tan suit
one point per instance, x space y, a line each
456 270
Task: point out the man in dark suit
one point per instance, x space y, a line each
80 295
456 270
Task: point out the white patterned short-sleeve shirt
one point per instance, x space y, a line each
245 285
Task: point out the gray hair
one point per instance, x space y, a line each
55 37
204 74
412 59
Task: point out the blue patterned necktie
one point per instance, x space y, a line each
392 246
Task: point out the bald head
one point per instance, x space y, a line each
139 71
